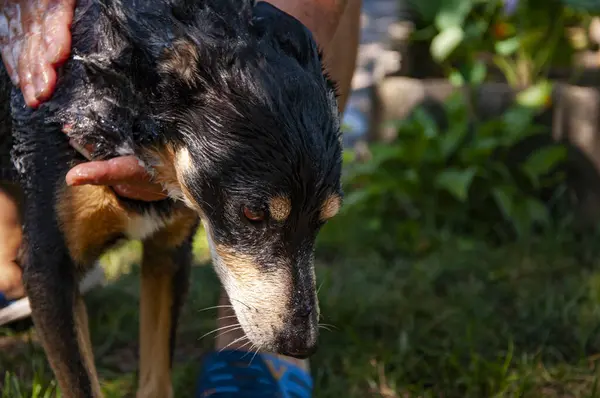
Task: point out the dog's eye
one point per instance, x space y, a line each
253 215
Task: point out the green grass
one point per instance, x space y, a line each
465 321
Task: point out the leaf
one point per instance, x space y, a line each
452 139
477 73
508 69
379 155
528 212
456 78
452 13
446 42
427 10
486 145
537 96
475 30
504 200
543 160
456 182
426 122
455 106
508 46
478 151
537 211
518 123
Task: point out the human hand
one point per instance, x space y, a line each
125 174
35 39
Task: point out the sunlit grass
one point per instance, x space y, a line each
517 321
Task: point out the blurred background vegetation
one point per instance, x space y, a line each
461 167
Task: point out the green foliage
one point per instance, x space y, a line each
39 387
459 180
523 39
592 6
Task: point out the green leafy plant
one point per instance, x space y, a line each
523 39
460 180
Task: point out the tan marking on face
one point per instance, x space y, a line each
330 207
260 297
169 166
162 163
183 161
183 164
181 61
241 266
280 208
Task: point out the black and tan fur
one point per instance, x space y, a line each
226 104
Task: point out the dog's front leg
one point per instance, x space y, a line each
50 277
164 281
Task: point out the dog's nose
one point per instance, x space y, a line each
300 338
302 313
303 353
299 346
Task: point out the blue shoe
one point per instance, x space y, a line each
236 374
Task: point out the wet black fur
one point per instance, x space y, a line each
259 118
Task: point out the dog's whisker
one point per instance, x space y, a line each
227 331
249 350
241 302
320 286
329 325
220 329
254 356
162 194
243 347
233 342
226 317
215 307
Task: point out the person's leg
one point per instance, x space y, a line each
11 286
340 53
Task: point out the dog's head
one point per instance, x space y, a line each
258 154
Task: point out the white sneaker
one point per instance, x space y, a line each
11 311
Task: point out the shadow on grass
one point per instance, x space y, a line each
463 322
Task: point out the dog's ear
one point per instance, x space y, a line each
291 36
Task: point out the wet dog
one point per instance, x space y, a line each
227 105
